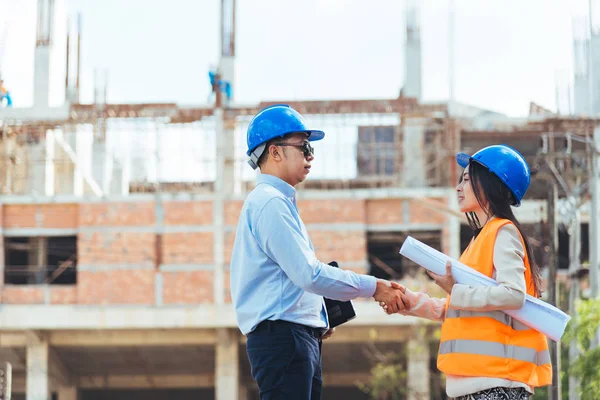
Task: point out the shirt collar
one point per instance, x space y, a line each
278 183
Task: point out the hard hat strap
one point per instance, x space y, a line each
255 155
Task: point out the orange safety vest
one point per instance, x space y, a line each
492 344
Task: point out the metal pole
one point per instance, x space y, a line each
590 74
574 255
554 392
595 222
218 208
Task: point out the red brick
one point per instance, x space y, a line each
232 212
116 248
23 294
422 214
59 215
20 215
385 211
229 241
332 211
188 287
60 294
125 286
341 246
227 286
117 214
188 248
188 213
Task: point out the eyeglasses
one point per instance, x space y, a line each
306 148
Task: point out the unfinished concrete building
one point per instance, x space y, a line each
117 223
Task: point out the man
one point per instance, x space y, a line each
277 283
5 94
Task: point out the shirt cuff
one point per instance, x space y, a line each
368 284
457 295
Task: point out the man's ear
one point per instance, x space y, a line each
275 152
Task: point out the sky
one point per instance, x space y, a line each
507 52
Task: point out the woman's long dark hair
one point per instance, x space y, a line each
489 188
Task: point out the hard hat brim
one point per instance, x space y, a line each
315 135
463 159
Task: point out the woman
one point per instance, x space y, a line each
484 353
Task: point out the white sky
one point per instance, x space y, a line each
508 52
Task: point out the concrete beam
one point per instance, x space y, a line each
135 337
16 232
146 381
309 194
70 317
67 392
171 381
41 114
348 334
75 159
13 339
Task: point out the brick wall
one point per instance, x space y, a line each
119 252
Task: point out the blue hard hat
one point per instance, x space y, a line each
506 163
275 121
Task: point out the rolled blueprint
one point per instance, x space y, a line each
535 313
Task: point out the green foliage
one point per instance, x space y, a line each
388 374
583 328
386 381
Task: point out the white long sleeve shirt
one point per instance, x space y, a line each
509 272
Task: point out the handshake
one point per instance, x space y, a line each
391 296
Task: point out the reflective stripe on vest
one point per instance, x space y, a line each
499 316
491 343
495 349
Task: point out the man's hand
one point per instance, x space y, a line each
447 281
328 334
392 294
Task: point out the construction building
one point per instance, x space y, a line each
115 279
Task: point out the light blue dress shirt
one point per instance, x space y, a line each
275 274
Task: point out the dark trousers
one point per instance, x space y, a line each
285 360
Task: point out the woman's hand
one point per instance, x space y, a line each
447 281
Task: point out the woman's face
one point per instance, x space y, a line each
467 202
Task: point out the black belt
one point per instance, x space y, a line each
279 325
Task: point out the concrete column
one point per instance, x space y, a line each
227 365
2 259
37 381
418 368
41 77
67 393
49 164
232 181
219 209
412 62
80 168
594 220
37 174
413 141
574 254
102 165
64 170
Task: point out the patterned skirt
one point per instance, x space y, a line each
498 393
